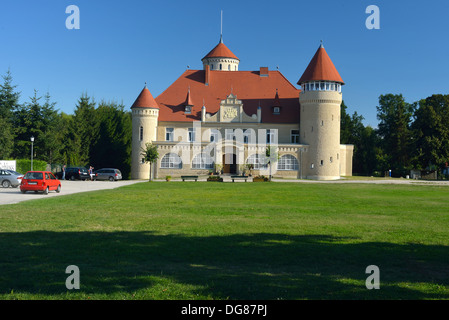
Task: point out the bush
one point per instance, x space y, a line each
24 165
215 178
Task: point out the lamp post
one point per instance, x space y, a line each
32 140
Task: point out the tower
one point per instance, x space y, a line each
145 113
320 101
221 58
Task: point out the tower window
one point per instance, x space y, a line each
322 123
188 109
221 67
212 66
229 67
331 159
321 162
141 134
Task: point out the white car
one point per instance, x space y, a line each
10 178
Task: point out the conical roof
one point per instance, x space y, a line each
320 68
145 100
221 51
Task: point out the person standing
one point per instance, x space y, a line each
63 172
91 173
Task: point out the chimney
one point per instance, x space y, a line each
207 74
263 72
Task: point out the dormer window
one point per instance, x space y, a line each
276 110
188 109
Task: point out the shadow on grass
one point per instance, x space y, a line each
253 266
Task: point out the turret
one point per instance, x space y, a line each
320 101
221 58
145 113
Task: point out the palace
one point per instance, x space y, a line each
220 117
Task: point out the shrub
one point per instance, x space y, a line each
24 165
215 178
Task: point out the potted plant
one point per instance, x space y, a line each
218 168
167 178
250 167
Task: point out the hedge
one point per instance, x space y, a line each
24 165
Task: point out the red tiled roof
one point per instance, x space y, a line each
321 68
145 100
220 51
248 86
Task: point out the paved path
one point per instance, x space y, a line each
13 195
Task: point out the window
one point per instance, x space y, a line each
221 67
249 136
191 137
295 136
214 135
229 67
312 166
188 109
331 159
169 134
271 136
276 110
202 161
230 134
288 162
258 161
141 134
171 161
321 162
322 123
212 66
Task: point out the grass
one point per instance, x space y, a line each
200 240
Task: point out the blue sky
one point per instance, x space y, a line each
122 44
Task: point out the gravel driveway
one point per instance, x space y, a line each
13 195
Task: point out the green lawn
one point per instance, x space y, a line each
202 240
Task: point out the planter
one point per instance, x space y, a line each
215 179
260 179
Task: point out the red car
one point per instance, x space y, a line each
40 181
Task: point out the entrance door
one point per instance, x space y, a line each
230 163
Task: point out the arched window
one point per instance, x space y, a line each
258 161
202 161
229 67
171 161
288 162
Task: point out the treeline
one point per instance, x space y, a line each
97 135
408 136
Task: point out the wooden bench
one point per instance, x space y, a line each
239 177
189 178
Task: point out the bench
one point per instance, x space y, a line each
239 177
189 178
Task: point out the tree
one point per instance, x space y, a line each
431 131
395 115
112 147
9 103
272 156
150 155
84 129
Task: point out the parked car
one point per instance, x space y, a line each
10 178
108 174
76 173
40 181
